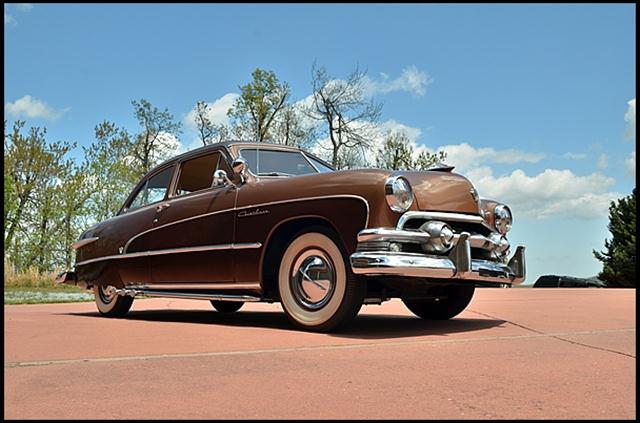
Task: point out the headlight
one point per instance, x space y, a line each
398 193
503 219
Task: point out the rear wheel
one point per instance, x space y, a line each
450 304
109 303
317 291
227 306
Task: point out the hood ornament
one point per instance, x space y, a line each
441 167
474 194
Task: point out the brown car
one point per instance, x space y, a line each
237 222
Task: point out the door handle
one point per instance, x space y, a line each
161 207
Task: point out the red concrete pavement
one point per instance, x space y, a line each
514 353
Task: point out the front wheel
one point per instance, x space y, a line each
455 299
109 303
317 291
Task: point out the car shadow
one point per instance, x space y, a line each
364 326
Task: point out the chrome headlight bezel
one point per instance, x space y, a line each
398 194
503 219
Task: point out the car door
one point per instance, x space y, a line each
192 233
135 222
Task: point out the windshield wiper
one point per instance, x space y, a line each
274 174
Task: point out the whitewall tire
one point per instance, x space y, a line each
109 303
317 290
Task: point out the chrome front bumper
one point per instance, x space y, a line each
457 264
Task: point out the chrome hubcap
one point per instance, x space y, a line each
107 293
313 279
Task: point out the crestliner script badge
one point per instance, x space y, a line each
256 212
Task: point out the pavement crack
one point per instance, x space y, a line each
555 336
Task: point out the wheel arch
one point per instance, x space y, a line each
279 237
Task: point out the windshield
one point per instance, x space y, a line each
277 162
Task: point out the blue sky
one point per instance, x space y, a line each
532 102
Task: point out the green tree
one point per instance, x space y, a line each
425 159
619 257
158 138
397 153
260 101
34 166
110 170
76 187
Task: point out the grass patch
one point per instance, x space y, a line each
33 287
68 294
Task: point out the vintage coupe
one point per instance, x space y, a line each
236 222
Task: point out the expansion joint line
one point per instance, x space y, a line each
554 336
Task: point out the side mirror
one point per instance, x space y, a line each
220 179
241 167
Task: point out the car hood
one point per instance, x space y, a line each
442 191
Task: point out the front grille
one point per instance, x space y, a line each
458 227
373 246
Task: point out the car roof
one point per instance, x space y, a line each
224 144
218 145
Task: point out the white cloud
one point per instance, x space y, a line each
630 163
217 111
21 7
574 156
603 161
630 118
552 193
30 107
168 146
8 19
464 156
411 80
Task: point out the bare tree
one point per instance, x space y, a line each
343 106
203 123
209 132
293 128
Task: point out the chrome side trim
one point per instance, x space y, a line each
444 216
186 295
241 246
126 246
211 286
79 244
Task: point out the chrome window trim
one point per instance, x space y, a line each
81 243
126 246
241 246
309 161
127 208
258 149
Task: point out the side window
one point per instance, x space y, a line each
153 190
321 166
197 174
